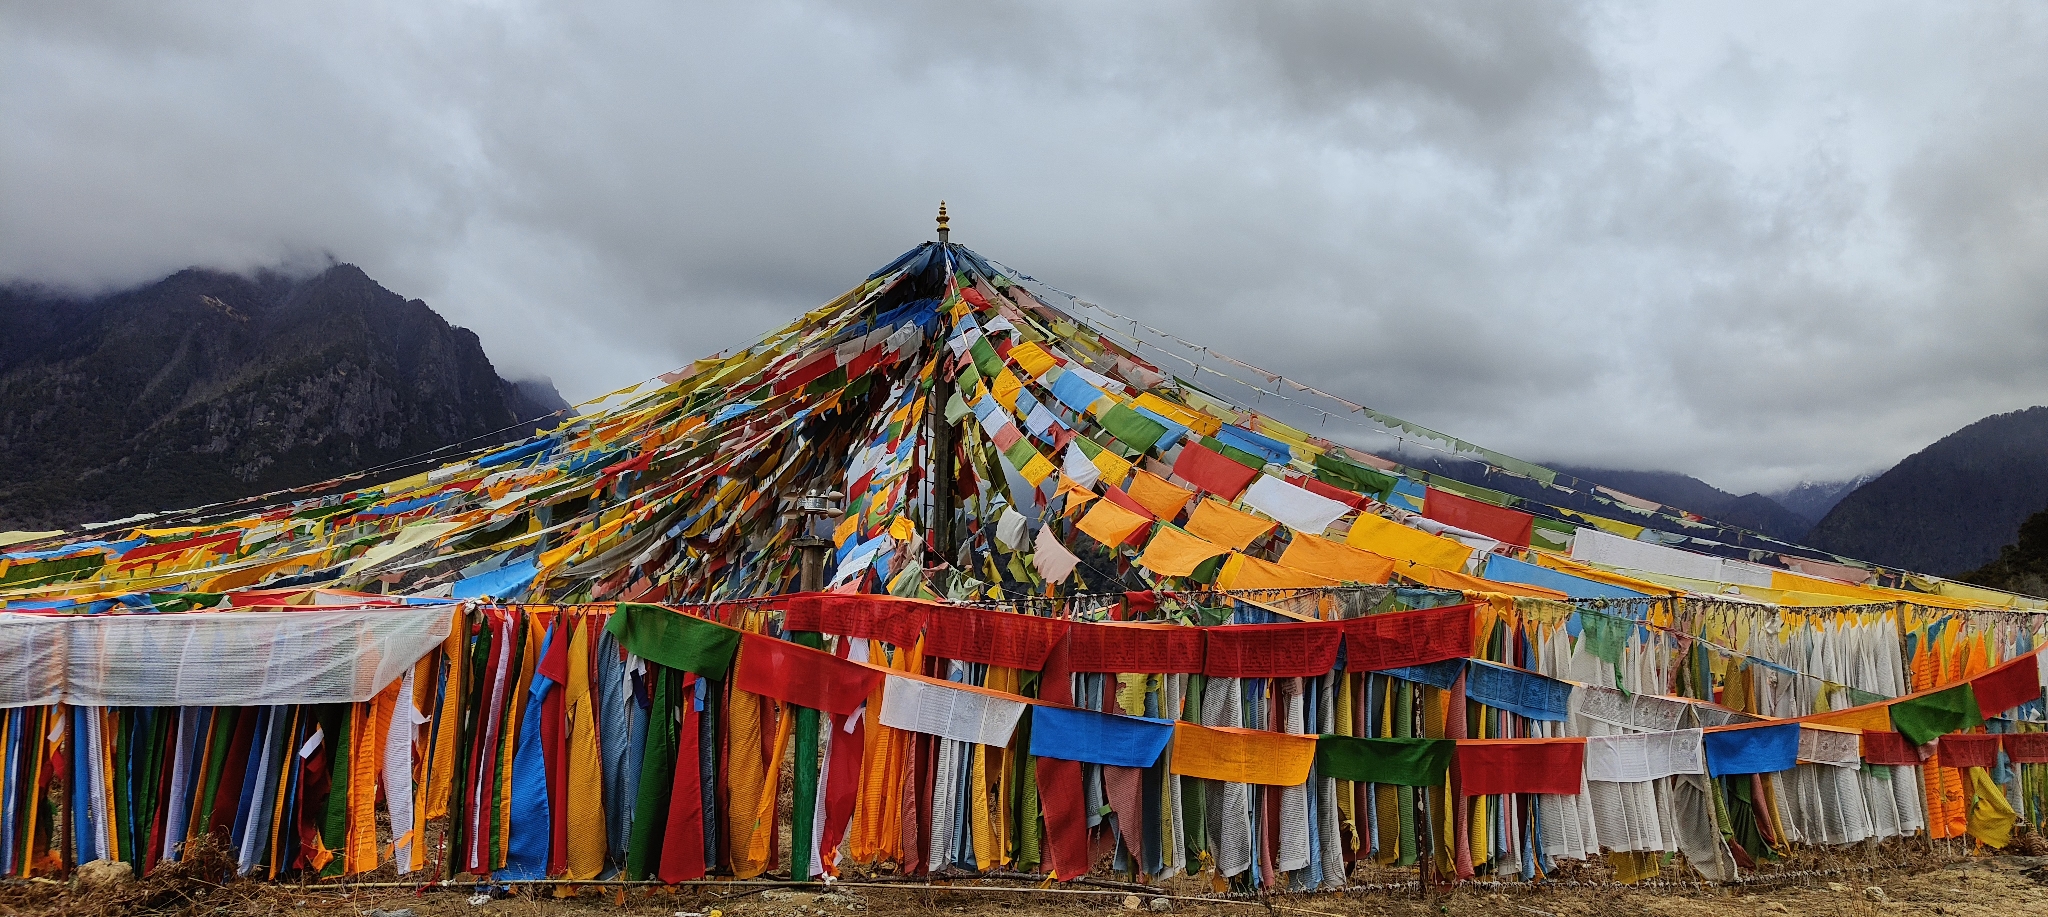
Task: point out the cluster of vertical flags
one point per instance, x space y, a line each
1489 738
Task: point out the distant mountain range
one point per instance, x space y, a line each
1949 507
206 386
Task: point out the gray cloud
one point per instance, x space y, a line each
1755 244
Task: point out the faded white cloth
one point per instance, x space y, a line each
1075 464
951 713
1052 559
1297 508
1642 756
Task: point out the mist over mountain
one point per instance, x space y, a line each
205 386
1950 507
1812 500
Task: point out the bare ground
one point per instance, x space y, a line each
1927 882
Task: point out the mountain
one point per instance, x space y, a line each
1753 511
1949 507
206 386
1811 500
2021 566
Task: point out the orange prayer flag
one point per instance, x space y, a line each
1242 755
1164 498
1176 553
1869 718
1246 572
1335 560
1111 524
1216 521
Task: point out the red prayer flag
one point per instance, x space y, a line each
1889 748
802 676
1271 650
865 617
2007 686
682 846
1491 766
1511 526
1149 648
1002 638
2027 748
1212 471
1390 641
1968 750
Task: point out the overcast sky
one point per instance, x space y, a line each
1756 243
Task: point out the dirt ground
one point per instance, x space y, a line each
1972 887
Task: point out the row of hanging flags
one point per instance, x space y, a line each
1172 634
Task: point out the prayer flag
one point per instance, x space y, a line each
802 676
1489 767
1392 539
1147 648
1218 522
1242 755
1499 523
1752 749
1098 738
1927 717
1407 638
674 639
1173 552
1271 650
2009 685
1211 471
1295 507
1399 762
1336 560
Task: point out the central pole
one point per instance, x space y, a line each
940 440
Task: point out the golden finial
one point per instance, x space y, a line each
944 231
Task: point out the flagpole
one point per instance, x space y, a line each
940 441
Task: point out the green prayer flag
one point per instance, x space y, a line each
956 409
657 775
1923 719
985 358
673 639
1131 428
1020 454
1604 636
1400 762
1352 476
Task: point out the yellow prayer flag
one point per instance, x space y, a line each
1005 388
1336 560
1032 358
1038 469
1111 524
1242 755
903 529
1243 571
1113 467
1176 553
1164 498
1232 528
1197 421
1392 539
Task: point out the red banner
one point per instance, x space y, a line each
1151 648
1271 650
1511 526
1488 767
2008 686
1405 638
993 637
865 617
1212 471
1889 748
1972 750
2027 748
802 676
